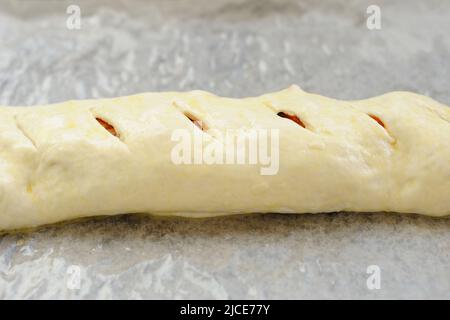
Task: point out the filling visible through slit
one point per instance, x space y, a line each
378 120
110 128
291 117
381 123
198 123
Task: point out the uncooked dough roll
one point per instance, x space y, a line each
301 153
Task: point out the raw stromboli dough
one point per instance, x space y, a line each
388 153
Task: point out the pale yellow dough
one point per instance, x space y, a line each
58 163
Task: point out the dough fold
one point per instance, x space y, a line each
111 156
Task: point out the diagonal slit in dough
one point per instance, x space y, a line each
197 122
378 120
291 117
108 127
381 123
24 132
285 114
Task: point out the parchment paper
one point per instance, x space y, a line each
234 48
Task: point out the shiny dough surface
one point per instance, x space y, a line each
112 156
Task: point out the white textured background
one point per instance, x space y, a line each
233 48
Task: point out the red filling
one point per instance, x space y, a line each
377 120
291 117
197 122
107 126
